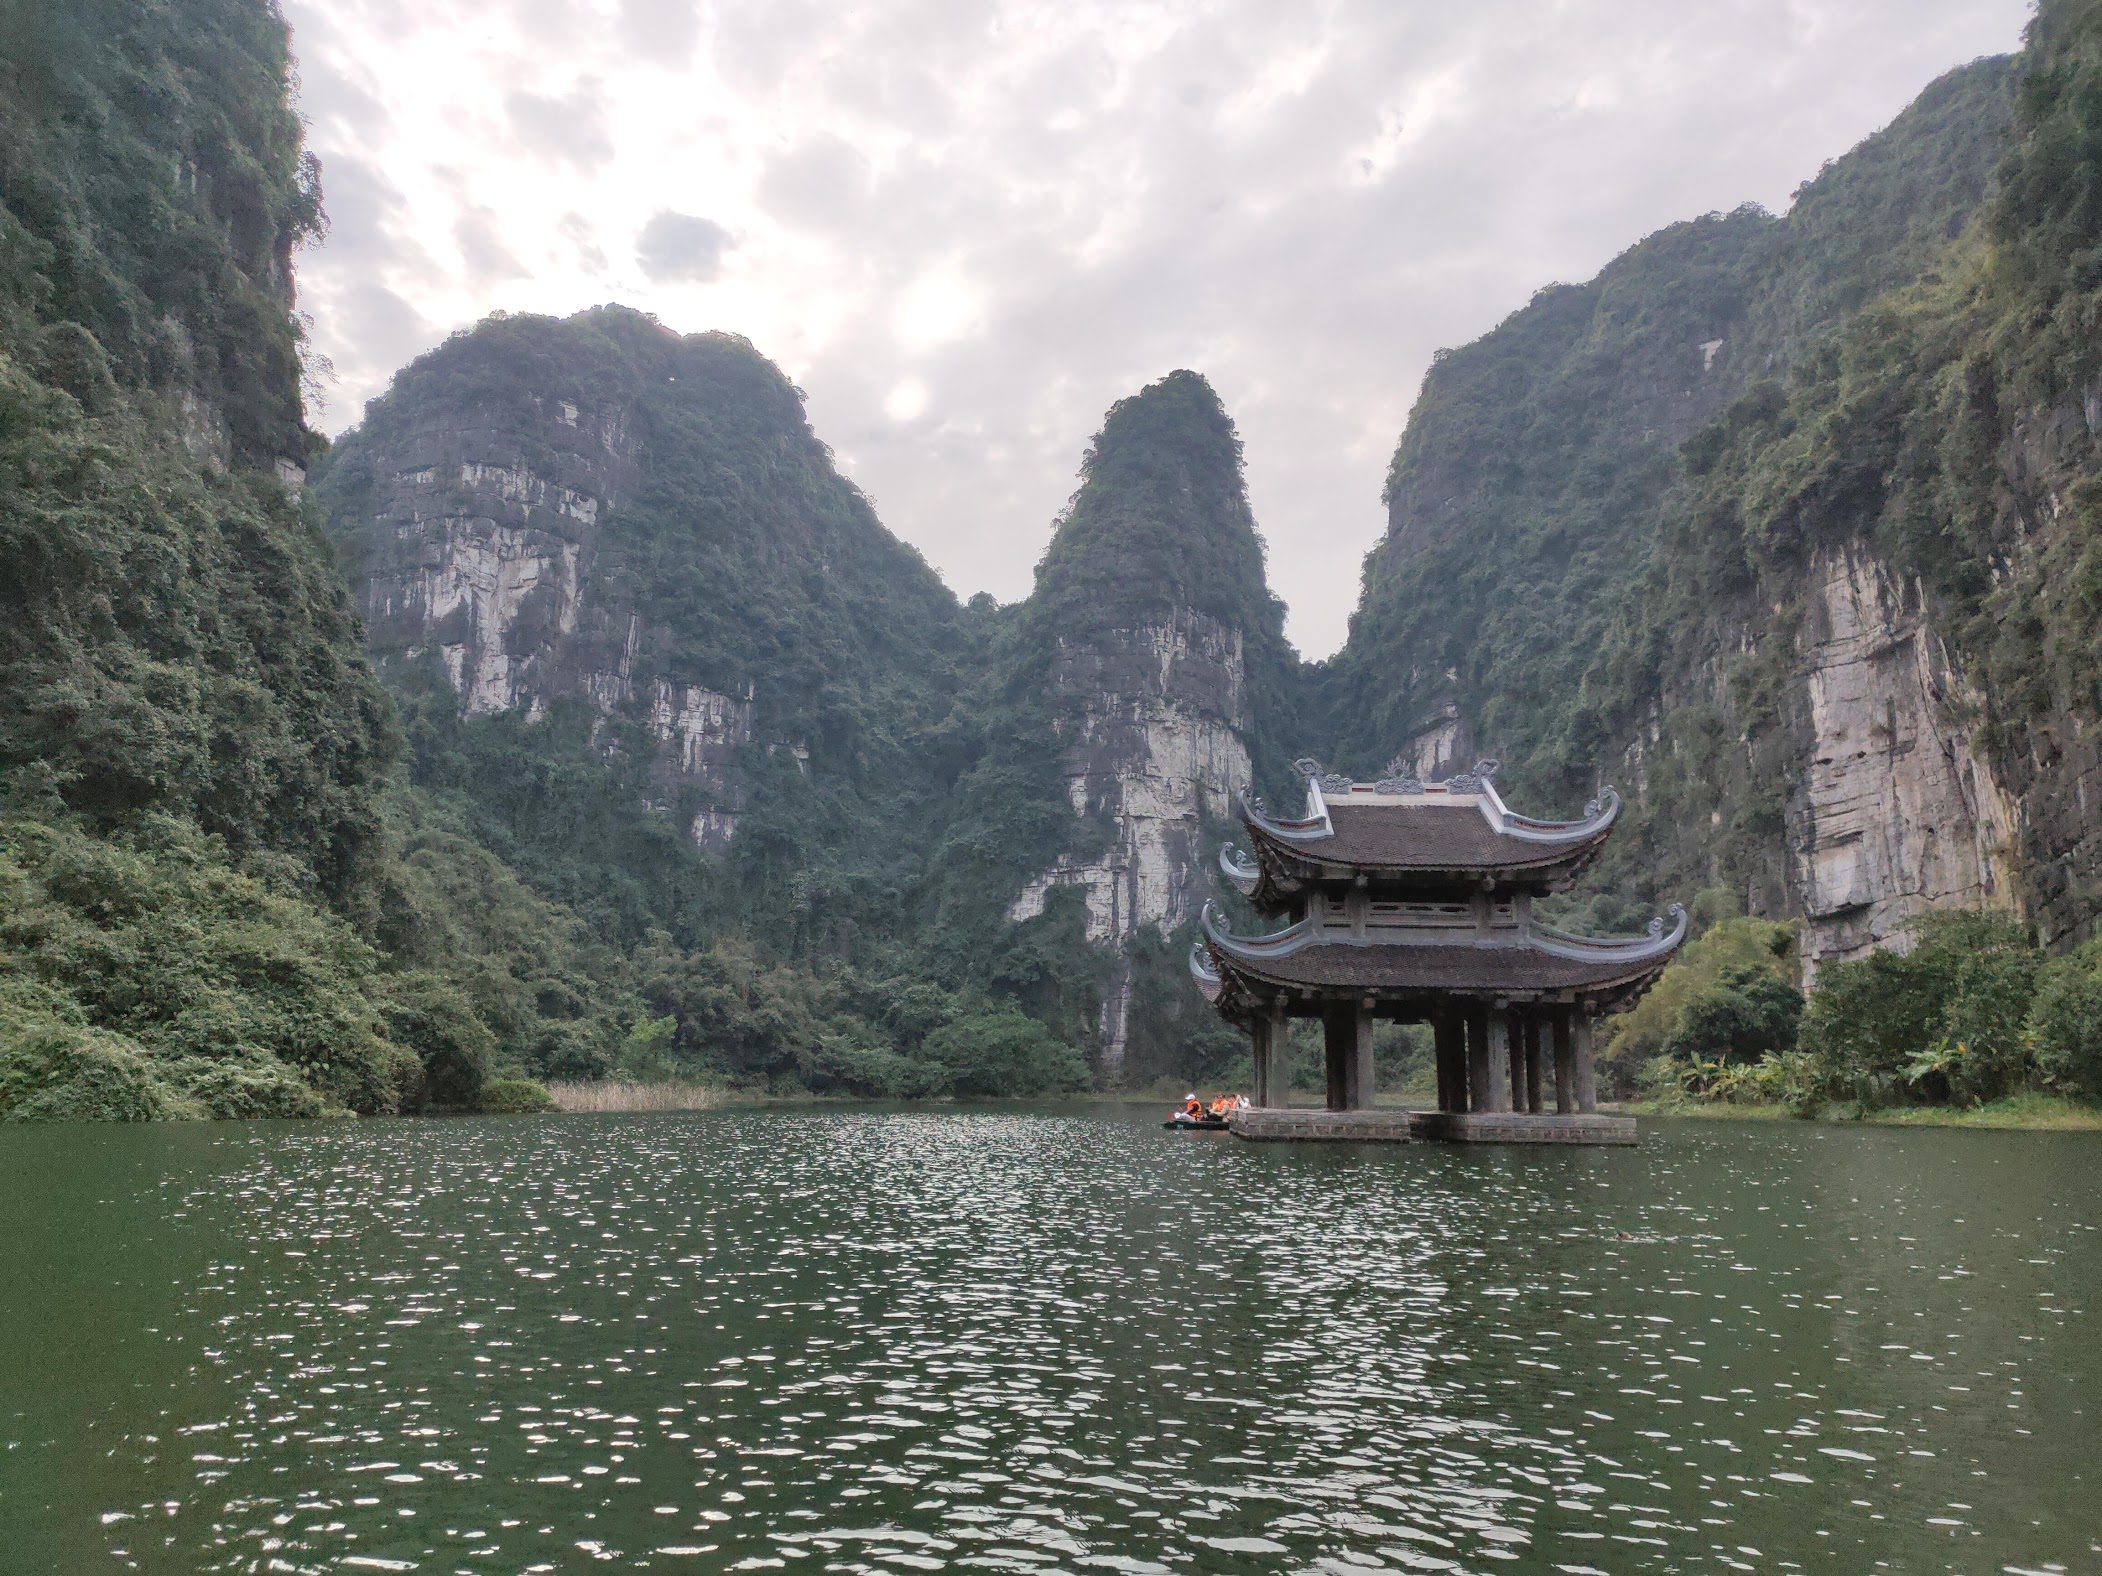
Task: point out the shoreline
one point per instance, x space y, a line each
2030 1113
2022 1113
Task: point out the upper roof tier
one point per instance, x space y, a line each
1401 832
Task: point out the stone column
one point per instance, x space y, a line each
1361 1072
1499 1068
1449 1035
1532 1060
1262 1038
1339 1045
1478 1079
1586 1072
1565 1063
1514 1017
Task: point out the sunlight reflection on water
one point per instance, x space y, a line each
1064 1340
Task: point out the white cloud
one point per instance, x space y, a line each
968 227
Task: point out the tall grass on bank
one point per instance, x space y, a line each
619 1094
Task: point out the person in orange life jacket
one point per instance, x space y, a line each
1192 1107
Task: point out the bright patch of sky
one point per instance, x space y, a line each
966 227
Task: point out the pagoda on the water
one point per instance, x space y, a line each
1413 902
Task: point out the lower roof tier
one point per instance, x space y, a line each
1237 974
1482 970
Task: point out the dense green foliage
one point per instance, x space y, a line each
153 190
147 953
172 637
1971 1013
1730 997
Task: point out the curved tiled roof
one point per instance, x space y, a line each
1444 831
1515 962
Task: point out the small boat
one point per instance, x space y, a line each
1205 1124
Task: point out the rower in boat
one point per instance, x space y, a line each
1196 1116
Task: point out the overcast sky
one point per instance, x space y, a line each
965 227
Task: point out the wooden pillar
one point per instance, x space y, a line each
1515 1018
1339 1045
1586 1072
1565 1062
1449 1035
1499 1068
1532 1060
1478 1079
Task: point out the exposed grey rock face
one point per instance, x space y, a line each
1896 811
484 560
1159 747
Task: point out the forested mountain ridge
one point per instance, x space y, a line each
628 551
192 750
1802 728
675 671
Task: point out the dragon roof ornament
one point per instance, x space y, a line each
1238 868
1476 780
1208 979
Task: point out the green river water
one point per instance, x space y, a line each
1043 1339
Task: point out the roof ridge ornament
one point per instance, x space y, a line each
1476 780
1310 767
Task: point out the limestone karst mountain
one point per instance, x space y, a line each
631 543
683 763
1161 651
1763 662
595 543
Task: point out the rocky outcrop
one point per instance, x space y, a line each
1896 812
1158 748
484 536
1157 751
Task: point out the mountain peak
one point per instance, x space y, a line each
1161 521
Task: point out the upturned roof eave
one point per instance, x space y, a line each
1623 961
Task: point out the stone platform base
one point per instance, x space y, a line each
1403 1127
1510 1127
1365 1127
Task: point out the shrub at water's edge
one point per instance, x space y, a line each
515 1097
1973 1017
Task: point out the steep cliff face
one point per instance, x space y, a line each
1161 656
602 516
1898 811
1156 748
